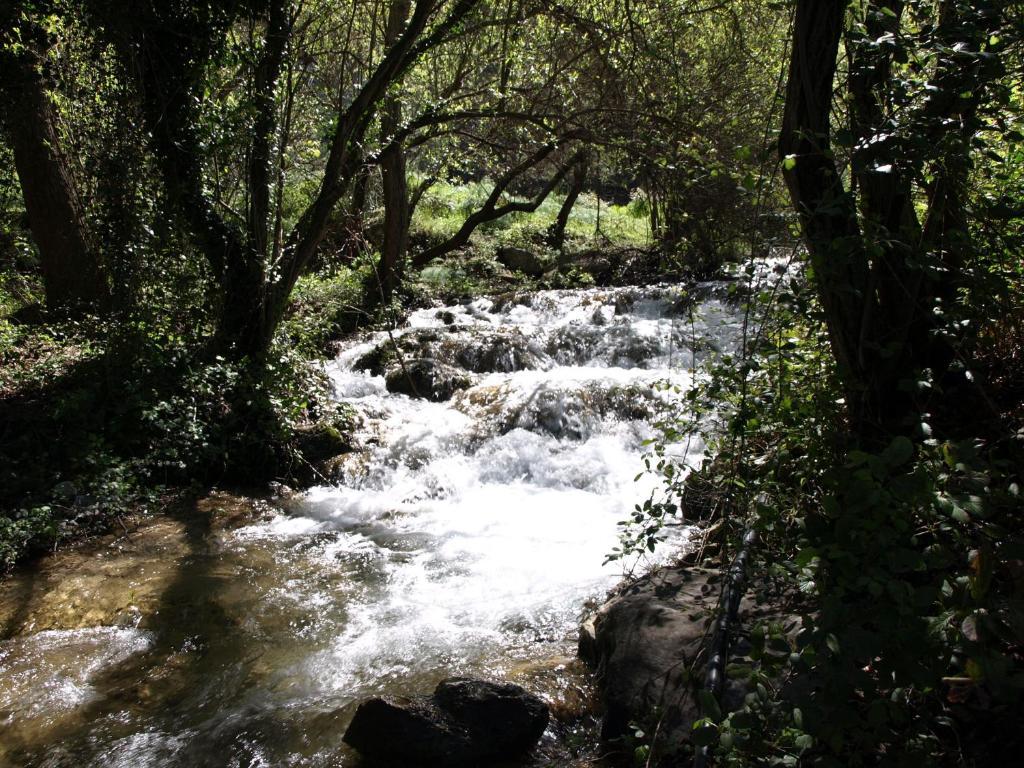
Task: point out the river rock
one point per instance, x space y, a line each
645 644
597 264
499 351
648 646
521 260
465 722
428 379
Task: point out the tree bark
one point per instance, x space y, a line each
393 173
72 275
879 271
245 328
167 52
827 211
492 211
577 181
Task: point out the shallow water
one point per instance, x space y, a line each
465 537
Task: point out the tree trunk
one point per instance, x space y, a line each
578 179
167 51
826 209
869 250
393 173
72 275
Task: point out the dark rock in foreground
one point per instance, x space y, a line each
466 722
645 644
648 645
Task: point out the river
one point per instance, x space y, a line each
465 536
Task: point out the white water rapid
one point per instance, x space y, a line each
464 536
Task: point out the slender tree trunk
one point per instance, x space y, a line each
492 211
72 275
826 209
576 183
245 328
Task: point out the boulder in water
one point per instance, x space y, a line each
645 644
648 646
428 379
502 351
465 722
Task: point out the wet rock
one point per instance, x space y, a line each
502 352
428 379
465 722
418 343
597 264
521 260
320 442
320 445
587 644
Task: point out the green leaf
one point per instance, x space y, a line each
709 705
899 451
704 735
833 643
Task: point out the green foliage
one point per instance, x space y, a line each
446 205
899 561
20 532
322 308
464 275
101 417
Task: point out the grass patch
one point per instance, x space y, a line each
445 206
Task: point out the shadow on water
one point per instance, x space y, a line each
23 589
190 699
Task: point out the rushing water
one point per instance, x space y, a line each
465 537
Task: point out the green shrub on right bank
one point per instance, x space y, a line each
902 563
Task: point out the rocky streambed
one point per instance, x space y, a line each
498 449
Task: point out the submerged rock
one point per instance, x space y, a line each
463 723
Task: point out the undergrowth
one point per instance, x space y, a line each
902 561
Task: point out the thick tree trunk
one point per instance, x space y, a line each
870 252
393 173
72 275
827 211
